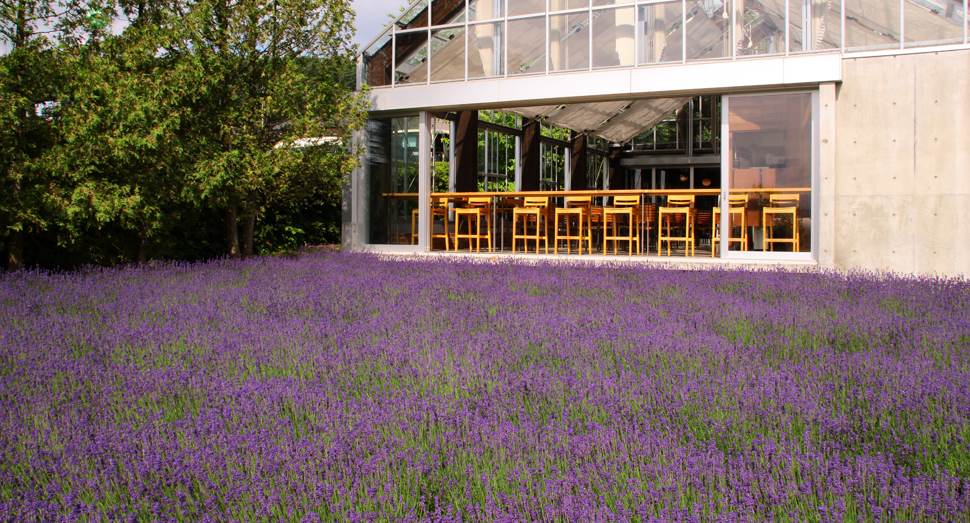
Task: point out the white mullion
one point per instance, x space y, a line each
428 64
842 47
786 17
683 37
902 24
589 29
725 176
734 27
548 47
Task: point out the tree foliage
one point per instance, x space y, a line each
199 111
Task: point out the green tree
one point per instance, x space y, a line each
29 76
273 90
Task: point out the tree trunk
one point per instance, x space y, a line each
15 256
249 224
142 255
232 232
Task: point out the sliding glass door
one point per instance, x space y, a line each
768 173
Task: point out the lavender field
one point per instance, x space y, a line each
347 387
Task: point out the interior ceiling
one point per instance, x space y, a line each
618 122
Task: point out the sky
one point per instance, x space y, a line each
371 17
370 20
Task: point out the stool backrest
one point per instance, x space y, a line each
783 200
680 200
536 201
738 200
481 201
629 200
579 201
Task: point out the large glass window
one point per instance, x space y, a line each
871 23
929 22
527 49
526 7
814 25
564 5
416 17
762 28
769 164
377 61
484 9
661 32
485 50
613 38
448 54
411 64
709 30
391 180
568 41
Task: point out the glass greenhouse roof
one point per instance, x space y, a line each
459 40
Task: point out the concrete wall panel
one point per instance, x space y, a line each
943 234
875 232
875 120
942 123
902 173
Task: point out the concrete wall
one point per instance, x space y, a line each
902 164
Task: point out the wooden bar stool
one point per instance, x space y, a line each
578 206
473 212
783 205
679 209
437 210
622 206
533 209
737 206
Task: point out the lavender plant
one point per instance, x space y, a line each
351 388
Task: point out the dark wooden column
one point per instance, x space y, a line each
466 152
617 179
531 157
577 166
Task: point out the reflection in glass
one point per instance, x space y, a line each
568 42
484 9
527 50
485 50
771 161
662 38
443 13
526 7
871 23
763 30
563 5
823 20
933 22
377 61
391 170
708 25
411 51
448 54
611 2
416 17
613 39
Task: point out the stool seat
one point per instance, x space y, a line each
679 210
737 208
780 205
623 206
474 212
436 212
533 210
578 206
